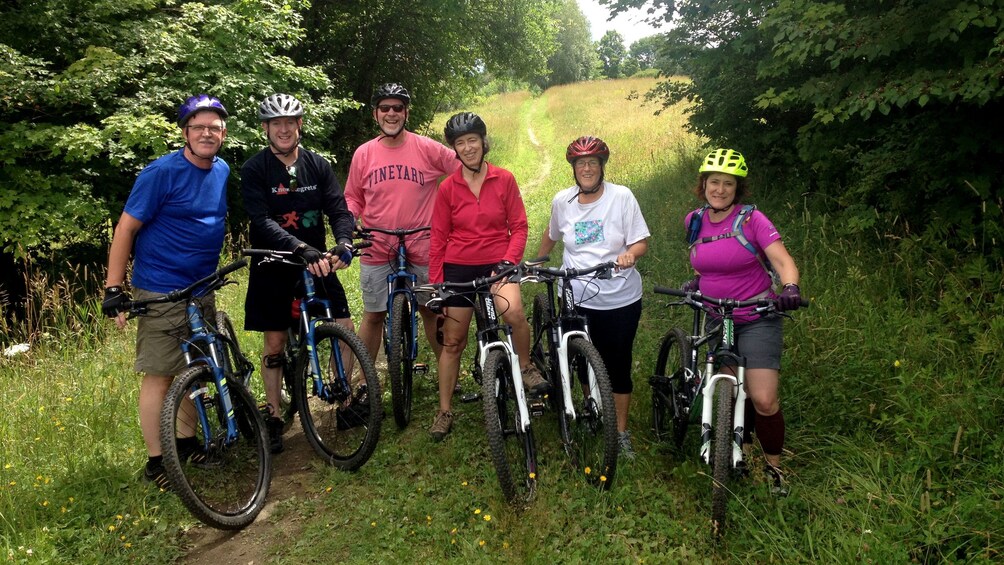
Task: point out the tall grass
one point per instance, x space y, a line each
890 390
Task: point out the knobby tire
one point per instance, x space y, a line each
594 431
399 363
512 451
722 462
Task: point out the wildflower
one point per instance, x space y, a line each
603 478
118 516
327 489
453 542
477 511
428 518
533 476
7 466
505 545
488 517
16 349
111 528
373 524
463 484
481 543
588 470
45 503
128 545
453 532
896 363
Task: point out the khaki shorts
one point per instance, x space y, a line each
373 281
160 331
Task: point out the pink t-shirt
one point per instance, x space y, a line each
729 270
395 187
477 230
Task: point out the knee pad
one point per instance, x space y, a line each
273 361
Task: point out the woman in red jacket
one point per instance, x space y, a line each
478 228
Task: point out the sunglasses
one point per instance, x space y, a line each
388 107
292 176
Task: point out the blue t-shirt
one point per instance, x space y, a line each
182 208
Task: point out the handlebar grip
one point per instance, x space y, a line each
240 263
804 303
669 291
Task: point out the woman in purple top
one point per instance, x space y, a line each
726 268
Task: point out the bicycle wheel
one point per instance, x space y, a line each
512 450
399 363
342 426
722 462
222 482
235 364
594 430
671 400
540 353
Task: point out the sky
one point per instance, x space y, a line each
629 24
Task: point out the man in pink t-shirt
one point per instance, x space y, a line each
392 184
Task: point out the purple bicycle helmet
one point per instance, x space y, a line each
198 103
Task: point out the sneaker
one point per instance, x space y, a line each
624 445
274 426
775 480
191 451
441 426
533 381
157 475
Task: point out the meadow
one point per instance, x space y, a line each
890 389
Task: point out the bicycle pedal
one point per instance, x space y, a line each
420 368
471 397
536 406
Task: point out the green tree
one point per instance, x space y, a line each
91 88
612 53
574 58
441 50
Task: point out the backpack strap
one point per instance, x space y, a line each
694 227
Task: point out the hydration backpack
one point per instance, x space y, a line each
742 217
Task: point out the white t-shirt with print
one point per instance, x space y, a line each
596 233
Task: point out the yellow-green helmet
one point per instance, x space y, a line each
728 161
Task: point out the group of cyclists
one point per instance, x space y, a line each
172 227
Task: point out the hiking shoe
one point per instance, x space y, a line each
157 475
624 445
274 426
775 480
533 381
441 426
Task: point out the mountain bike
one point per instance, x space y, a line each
213 438
507 412
723 394
581 393
401 328
340 407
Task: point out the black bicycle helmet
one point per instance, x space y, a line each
198 103
464 123
391 90
279 106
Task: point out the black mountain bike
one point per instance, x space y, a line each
581 394
213 438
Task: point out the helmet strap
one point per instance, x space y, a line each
275 148
593 190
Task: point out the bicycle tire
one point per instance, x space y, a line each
722 462
232 354
594 430
222 485
399 364
671 401
541 320
513 451
343 432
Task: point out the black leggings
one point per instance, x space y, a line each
612 332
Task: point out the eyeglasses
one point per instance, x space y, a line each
200 130
388 107
292 176
587 163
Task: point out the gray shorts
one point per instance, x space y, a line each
760 341
373 280
160 332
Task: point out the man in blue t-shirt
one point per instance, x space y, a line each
173 226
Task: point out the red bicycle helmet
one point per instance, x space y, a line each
587 146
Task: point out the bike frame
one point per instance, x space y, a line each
566 315
201 335
488 340
738 384
307 332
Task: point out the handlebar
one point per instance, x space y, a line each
364 233
603 271
206 284
696 298
290 257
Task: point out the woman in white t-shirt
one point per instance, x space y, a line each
598 222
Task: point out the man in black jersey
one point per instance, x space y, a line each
288 192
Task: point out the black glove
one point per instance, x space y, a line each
693 285
343 251
502 266
307 253
114 298
791 297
